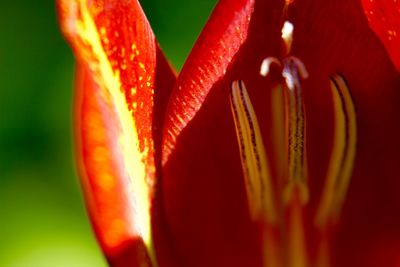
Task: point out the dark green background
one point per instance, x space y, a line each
42 217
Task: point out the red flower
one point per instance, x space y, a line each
279 146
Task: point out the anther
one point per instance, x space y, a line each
253 156
266 65
293 71
343 153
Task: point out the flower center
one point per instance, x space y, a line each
281 208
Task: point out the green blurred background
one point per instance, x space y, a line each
42 218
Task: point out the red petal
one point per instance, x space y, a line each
384 18
203 189
220 40
122 94
329 42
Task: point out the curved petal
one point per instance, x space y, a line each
122 92
220 40
204 195
384 18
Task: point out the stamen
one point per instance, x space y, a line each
295 193
296 241
266 64
253 156
344 148
293 70
300 67
295 190
295 129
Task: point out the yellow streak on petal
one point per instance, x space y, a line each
90 46
344 149
253 156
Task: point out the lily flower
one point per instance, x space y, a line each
277 145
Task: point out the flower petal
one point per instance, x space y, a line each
122 92
328 42
203 186
384 18
204 192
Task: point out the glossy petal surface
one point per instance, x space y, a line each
204 194
384 18
123 88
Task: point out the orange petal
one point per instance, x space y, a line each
122 91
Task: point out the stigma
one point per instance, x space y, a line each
287 35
